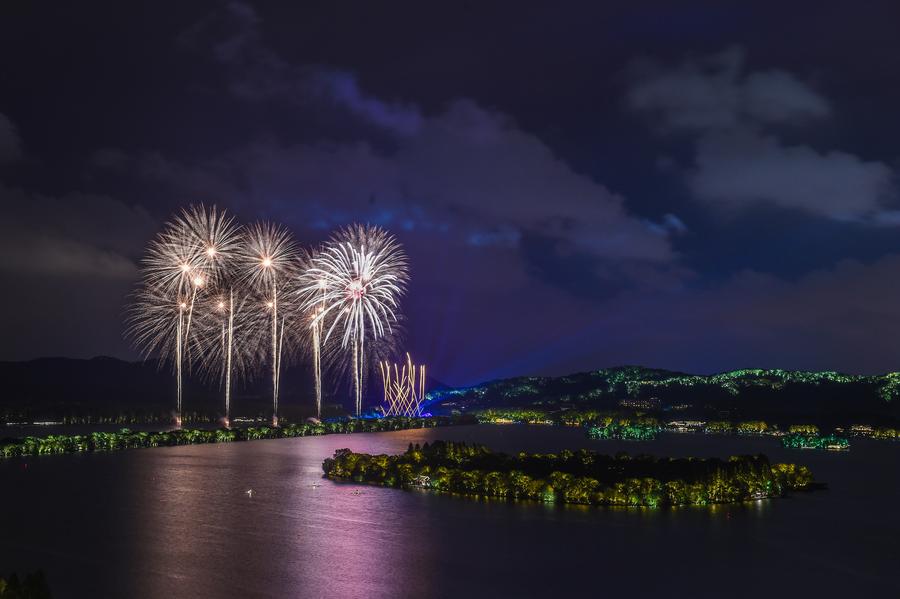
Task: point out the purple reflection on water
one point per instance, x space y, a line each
177 522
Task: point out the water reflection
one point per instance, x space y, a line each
177 522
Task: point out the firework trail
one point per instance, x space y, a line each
233 338
404 388
268 262
355 283
311 297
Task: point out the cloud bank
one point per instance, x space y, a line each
735 119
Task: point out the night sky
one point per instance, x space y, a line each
695 186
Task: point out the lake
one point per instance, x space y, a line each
177 522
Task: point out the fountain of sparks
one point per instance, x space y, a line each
404 388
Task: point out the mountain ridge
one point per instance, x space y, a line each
779 394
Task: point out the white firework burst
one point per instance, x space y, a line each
267 265
193 253
216 237
353 285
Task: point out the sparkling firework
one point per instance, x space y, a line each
353 285
174 272
216 239
227 298
268 262
311 295
233 337
192 255
404 388
156 323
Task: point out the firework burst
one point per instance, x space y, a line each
216 239
233 298
160 319
353 287
268 262
193 254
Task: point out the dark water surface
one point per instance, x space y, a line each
176 522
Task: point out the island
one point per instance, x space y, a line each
826 442
624 429
639 426
577 477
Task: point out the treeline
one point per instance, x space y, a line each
127 439
641 429
32 586
102 418
802 441
606 424
600 418
880 433
599 425
581 477
771 395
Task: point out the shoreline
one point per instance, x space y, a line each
125 438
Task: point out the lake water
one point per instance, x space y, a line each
177 522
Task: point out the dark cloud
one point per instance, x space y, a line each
74 235
715 92
739 168
845 318
256 72
545 232
466 174
10 147
67 264
739 160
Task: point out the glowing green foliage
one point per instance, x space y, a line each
804 429
633 381
719 427
888 434
127 439
581 477
801 441
32 586
625 429
512 415
753 427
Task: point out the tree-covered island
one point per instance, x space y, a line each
827 442
580 477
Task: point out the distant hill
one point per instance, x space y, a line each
64 388
102 387
777 395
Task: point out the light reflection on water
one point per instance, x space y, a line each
177 522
